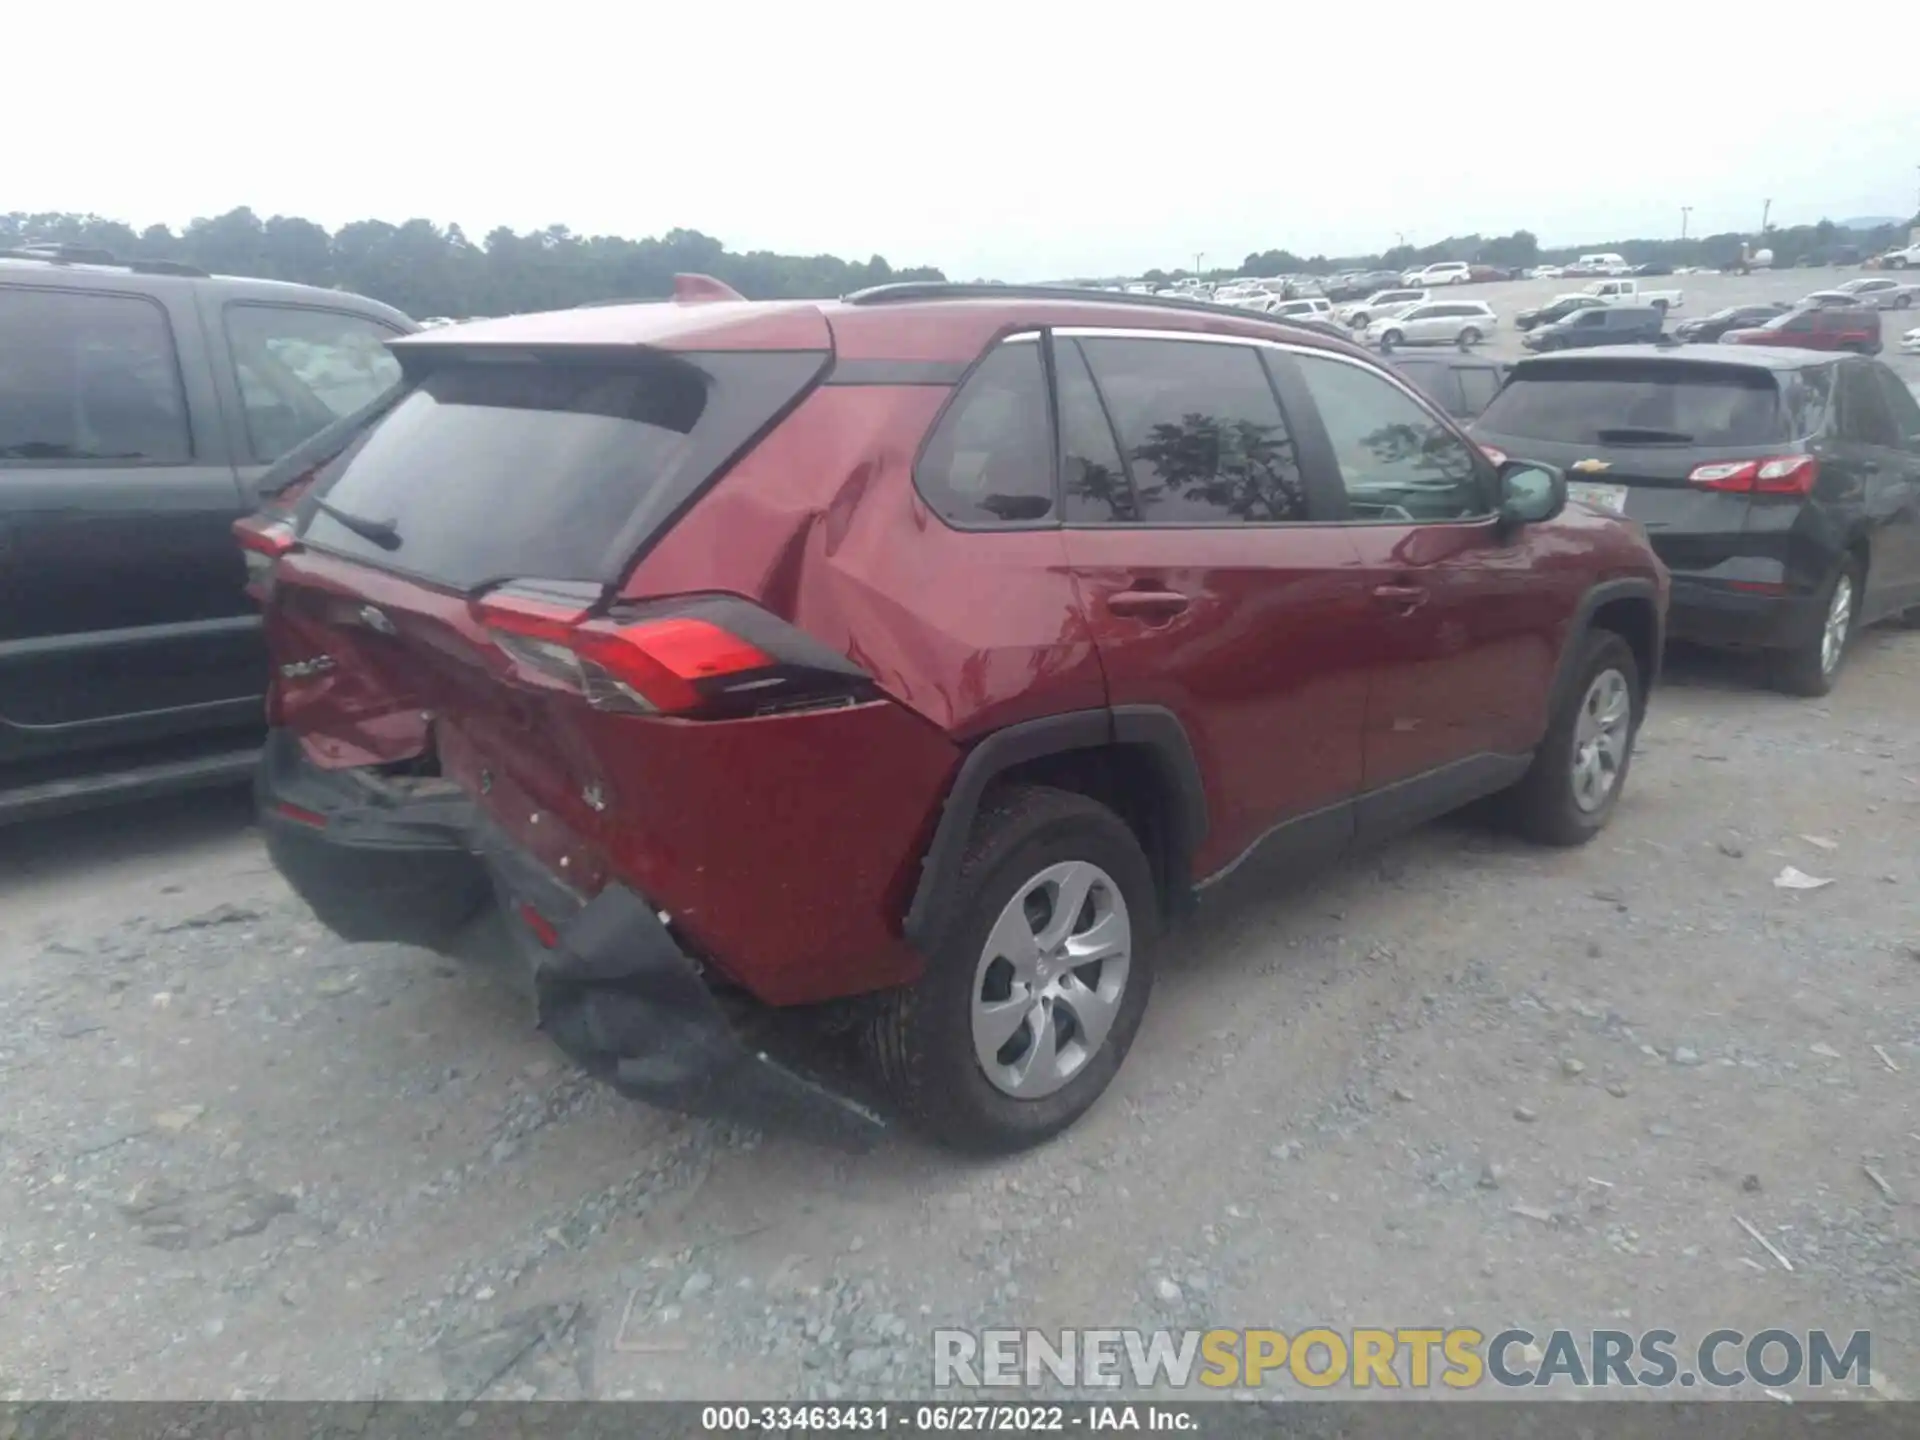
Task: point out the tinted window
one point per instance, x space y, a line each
88 377
1434 380
1864 416
1478 385
1397 460
1600 402
1093 479
554 470
1202 434
1796 325
1807 395
991 460
1906 410
300 370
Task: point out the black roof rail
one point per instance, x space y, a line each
62 253
905 291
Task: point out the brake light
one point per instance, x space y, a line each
262 543
1777 475
1494 453
673 665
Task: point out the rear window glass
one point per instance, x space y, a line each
1599 402
553 468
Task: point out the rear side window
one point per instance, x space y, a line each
1203 437
550 467
1865 417
1478 385
990 461
1808 397
1906 409
299 370
1602 402
89 377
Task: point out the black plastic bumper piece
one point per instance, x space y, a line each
614 990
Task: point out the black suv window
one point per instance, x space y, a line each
89 377
1865 417
1808 396
1906 409
1203 437
1591 315
1436 380
990 461
1594 401
299 370
1397 460
1478 385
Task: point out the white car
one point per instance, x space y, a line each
1444 272
1437 322
1381 304
1910 343
1881 292
1307 308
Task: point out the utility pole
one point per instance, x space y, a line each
1685 211
1766 209
1198 256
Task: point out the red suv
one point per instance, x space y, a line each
1829 327
925 650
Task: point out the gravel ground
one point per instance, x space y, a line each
1454 1081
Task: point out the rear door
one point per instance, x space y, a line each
1211 592
1881 475
122 611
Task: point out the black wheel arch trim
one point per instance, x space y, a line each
1607 591
1152 728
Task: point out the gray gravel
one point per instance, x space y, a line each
1458 1080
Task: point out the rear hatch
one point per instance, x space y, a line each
1676 444
442 596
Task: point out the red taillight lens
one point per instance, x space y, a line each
262 543
655 666
1494 453
1778 475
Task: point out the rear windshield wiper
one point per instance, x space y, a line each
383 533
1634 435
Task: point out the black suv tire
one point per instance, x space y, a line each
1802 670
1543 806
921 1038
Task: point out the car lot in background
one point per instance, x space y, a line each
1822 327
1608 325
1704 329
1382 304
1558 308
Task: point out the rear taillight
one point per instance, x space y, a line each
707 657
1777 475
262 542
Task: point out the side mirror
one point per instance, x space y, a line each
1530 493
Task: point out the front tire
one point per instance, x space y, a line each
1469 338
1035 988
1813 667
1580 768
1390 339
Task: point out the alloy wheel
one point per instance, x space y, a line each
1600 739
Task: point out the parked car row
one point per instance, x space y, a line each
602 721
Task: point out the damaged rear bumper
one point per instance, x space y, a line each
611 985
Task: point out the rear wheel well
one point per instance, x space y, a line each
1632 618
1131 781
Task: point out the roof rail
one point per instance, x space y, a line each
62 253
905 291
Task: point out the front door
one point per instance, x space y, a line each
1211 592
1466 633
1876 446
122 606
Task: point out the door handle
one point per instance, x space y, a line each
1152 604
1404 598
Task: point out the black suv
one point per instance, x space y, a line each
1608 325
140 405
1782 487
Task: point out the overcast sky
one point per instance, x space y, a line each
1017 141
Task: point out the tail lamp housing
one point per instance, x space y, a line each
1775 475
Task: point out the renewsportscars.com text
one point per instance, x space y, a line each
1415 1358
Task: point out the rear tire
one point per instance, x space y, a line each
1813 668
1580 768
926 1040
1390 339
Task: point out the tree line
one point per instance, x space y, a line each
427 269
